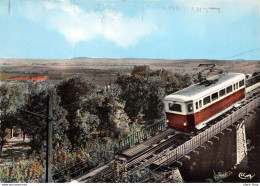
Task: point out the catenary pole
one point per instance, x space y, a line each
49 139
48 119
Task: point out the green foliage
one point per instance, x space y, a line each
145 90
133 92
140 71
218 177
172 82
93 110
72 93
249 146
24 171
34 126
80 109
64 161
255 74
117 118
11 96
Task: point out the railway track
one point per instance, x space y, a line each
160 148
155 150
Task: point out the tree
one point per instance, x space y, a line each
145 90
11 97
108 108
117 117
171 81
255 74
134 90
153 109
34 126
72 93
141 71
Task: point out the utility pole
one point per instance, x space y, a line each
49 139
48 119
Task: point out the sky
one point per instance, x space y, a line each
172 29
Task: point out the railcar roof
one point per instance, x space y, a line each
200 90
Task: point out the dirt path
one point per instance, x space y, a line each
13 149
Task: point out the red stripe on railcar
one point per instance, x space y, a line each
176 121
218 106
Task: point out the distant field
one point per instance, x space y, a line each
102 70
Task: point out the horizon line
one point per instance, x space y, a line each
128 58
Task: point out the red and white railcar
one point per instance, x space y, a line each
192 107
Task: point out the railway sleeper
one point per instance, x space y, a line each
202 146
216 137
196 152
163 140
228 129
169 136
151 156
187 157
179 163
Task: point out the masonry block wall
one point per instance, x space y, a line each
220 152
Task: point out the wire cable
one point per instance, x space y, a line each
244 53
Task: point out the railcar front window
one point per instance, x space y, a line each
175 107
241 83
206 100
190 107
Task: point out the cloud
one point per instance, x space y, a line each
236 8
229 3
80 25
220 16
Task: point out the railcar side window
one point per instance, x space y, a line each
214 96
200 103
206 100
236 85
241 83
197 105
222 92
175 107
229 89
190 107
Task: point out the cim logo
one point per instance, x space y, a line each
245 176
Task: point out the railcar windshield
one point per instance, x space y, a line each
175 107
190 107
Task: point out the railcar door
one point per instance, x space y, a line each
190 115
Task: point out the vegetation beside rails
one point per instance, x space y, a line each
88 121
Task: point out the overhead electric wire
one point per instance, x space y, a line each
244 53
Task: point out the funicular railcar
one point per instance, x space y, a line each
191 108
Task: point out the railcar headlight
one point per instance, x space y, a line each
185 124
167 121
